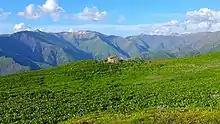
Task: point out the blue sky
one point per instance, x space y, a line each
119 17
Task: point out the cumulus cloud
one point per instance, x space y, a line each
4 14
30 12
90 14
50 7
202 20
22 27
19 27
203 15
53 8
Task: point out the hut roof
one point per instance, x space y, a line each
111 57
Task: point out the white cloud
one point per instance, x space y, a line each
22 27
4 14
53 8
90 14
203 15
19 27
50 7
202 20
30 12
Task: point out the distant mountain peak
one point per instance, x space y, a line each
38 30
80 31
175 34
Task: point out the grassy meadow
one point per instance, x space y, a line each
182 90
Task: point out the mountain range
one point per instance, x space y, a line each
32 50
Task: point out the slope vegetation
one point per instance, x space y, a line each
182 90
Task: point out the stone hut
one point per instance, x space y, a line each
112 59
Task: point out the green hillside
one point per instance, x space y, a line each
183 90
8 65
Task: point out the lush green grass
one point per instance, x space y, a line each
161 116
129 92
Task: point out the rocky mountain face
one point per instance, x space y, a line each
31 50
